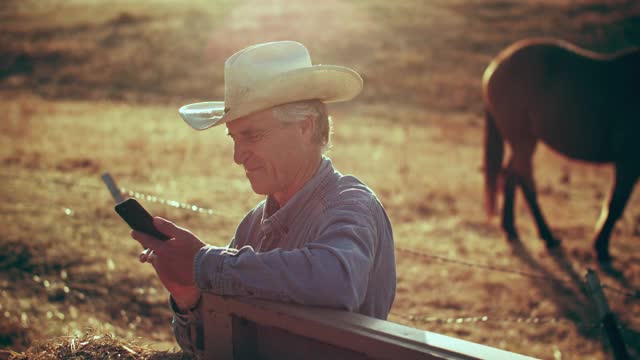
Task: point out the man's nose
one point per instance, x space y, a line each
240 153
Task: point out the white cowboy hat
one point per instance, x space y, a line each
270 74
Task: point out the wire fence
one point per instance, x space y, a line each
412 252
415 253
172 203
632 296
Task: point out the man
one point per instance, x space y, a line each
319 238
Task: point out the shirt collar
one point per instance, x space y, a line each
276 218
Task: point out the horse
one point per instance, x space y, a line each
581 104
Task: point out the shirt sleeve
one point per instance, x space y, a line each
188 330
331 270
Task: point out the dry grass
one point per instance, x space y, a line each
93 345
97 89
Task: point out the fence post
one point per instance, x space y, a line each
606 316
113 188
217 323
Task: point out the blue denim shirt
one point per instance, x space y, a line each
330 245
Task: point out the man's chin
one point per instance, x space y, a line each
260 190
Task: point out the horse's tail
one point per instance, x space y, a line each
493 153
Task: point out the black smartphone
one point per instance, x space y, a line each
138 218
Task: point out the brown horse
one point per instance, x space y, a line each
581 104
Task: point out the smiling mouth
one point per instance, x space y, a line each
252 170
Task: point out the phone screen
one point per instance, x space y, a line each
138 218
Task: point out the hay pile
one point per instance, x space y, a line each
93 346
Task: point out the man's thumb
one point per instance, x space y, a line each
167 227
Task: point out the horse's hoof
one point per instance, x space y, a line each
511 234
552 243
513 238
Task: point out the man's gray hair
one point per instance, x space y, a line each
300 111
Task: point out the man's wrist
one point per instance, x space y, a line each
185 304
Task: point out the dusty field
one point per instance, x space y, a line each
92 88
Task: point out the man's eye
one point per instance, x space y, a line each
248 138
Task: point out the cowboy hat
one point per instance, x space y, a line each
270 74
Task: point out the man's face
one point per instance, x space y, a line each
271 153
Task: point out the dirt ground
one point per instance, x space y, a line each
93 88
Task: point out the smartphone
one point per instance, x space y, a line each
138 218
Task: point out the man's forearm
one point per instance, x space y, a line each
332 272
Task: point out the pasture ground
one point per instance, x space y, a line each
91 88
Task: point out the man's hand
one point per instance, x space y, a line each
172 259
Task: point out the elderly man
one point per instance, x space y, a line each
319 238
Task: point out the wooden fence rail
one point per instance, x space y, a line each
241 328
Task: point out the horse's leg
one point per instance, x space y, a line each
625 179
521 164
530 194
521 153
509 190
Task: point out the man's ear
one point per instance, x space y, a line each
306 127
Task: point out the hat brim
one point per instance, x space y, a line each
328 83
